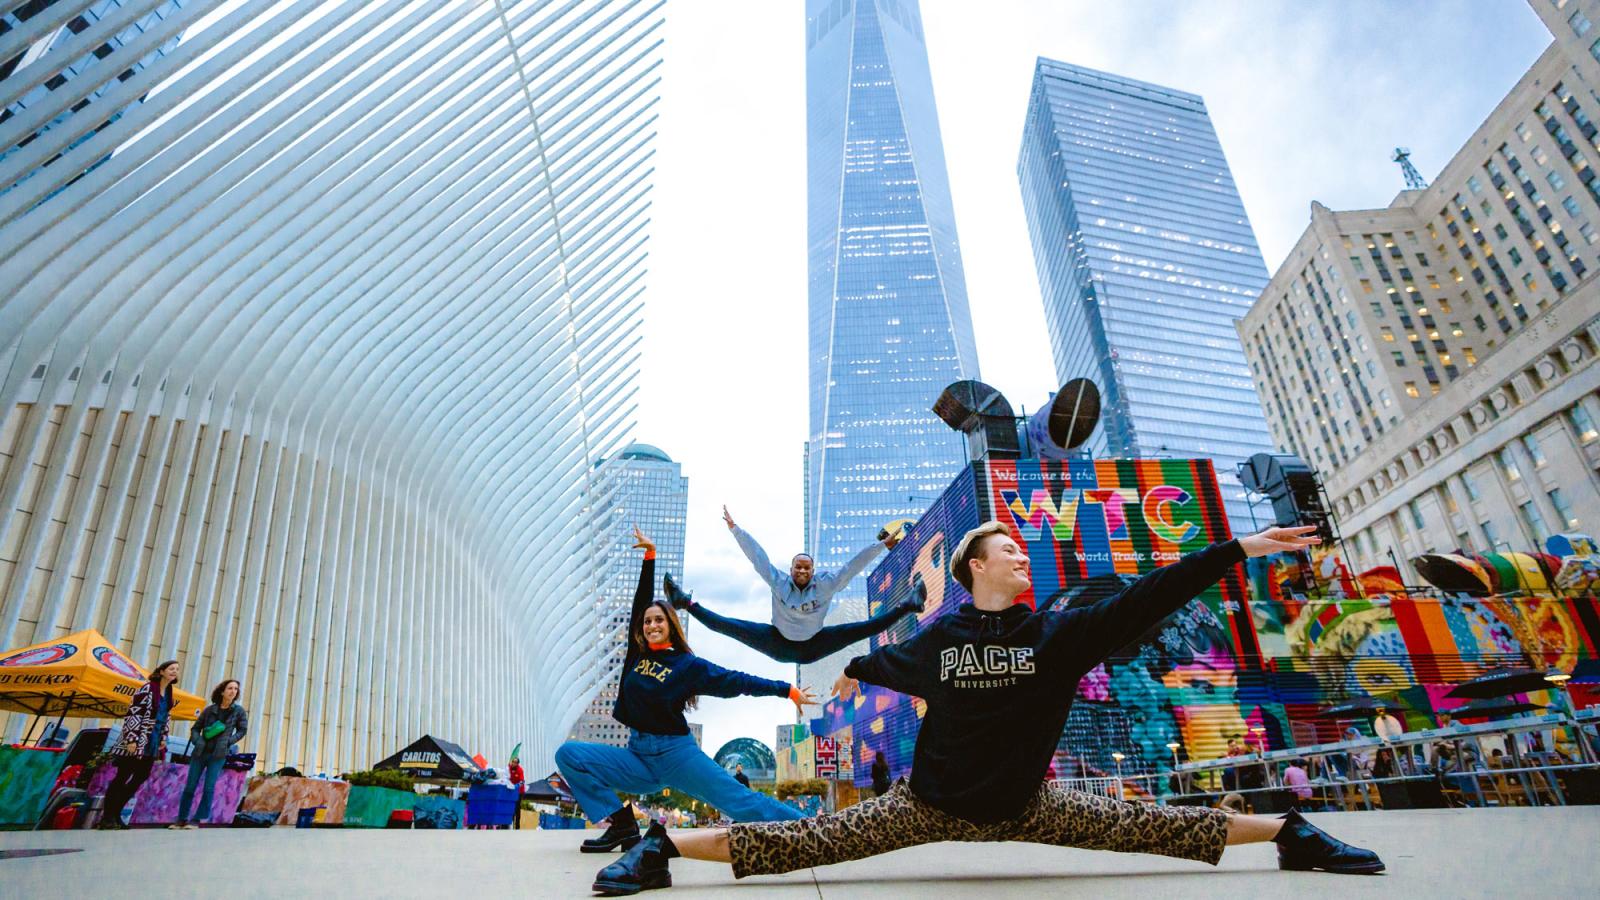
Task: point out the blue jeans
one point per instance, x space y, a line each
212 769
650 762
829 640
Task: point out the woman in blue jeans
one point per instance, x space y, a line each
661 678
220 726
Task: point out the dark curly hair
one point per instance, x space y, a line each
216 692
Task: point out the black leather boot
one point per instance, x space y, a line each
643 868
675 595
1303 847
622 832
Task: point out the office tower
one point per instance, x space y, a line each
1145 259
305 384
889 325
640 486
1434 359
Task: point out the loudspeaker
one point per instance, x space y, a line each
984 415
1066 421
1293 488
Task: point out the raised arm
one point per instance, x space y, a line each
830 583
1106 626
644 593
753 552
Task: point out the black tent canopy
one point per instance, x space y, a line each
430 757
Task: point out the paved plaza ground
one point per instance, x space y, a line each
1431 853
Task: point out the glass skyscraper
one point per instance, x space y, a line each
639 486
889 325
1145 259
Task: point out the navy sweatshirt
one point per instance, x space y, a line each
999 684
657 683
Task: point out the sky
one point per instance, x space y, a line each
1309 100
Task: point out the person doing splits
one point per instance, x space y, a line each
998 680
661 677
801 599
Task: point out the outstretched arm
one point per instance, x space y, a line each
899 667
715 681
1107 626
753 552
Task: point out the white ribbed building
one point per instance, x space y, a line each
303 378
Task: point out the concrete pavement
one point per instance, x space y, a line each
1430 853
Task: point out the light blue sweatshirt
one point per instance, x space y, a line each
798 612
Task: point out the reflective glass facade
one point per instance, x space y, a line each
1145 259
163 21
889 325
640 486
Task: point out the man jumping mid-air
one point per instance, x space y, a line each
998 679
800 603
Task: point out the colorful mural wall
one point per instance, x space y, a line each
1254 658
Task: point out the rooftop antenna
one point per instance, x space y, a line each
1414 179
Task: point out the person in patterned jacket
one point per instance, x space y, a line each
143 740
998 679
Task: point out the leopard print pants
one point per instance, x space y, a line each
1054 816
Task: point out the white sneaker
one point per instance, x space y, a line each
190 826
177 826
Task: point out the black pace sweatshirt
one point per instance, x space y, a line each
656 684
999 684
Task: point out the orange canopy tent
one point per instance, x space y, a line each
79 675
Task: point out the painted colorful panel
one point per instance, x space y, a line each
1254 660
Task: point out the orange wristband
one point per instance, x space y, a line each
649 553
795 696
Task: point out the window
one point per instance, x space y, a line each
1579 22
1524 132
1539 156
1463 542
1516 257
1528 282
1366 286
1478 321
1534 521
1472 358
1556 181
1588 232
1563 510
1398 358
1372 369
1508 466
1531 444
1594 50
1416 515
1385 399
1582 424
1377 309
1455 329
1450 505
1411 389
1571 206
1386 333
1474 185
1500 232
1492 534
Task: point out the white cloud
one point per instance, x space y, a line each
1308 99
